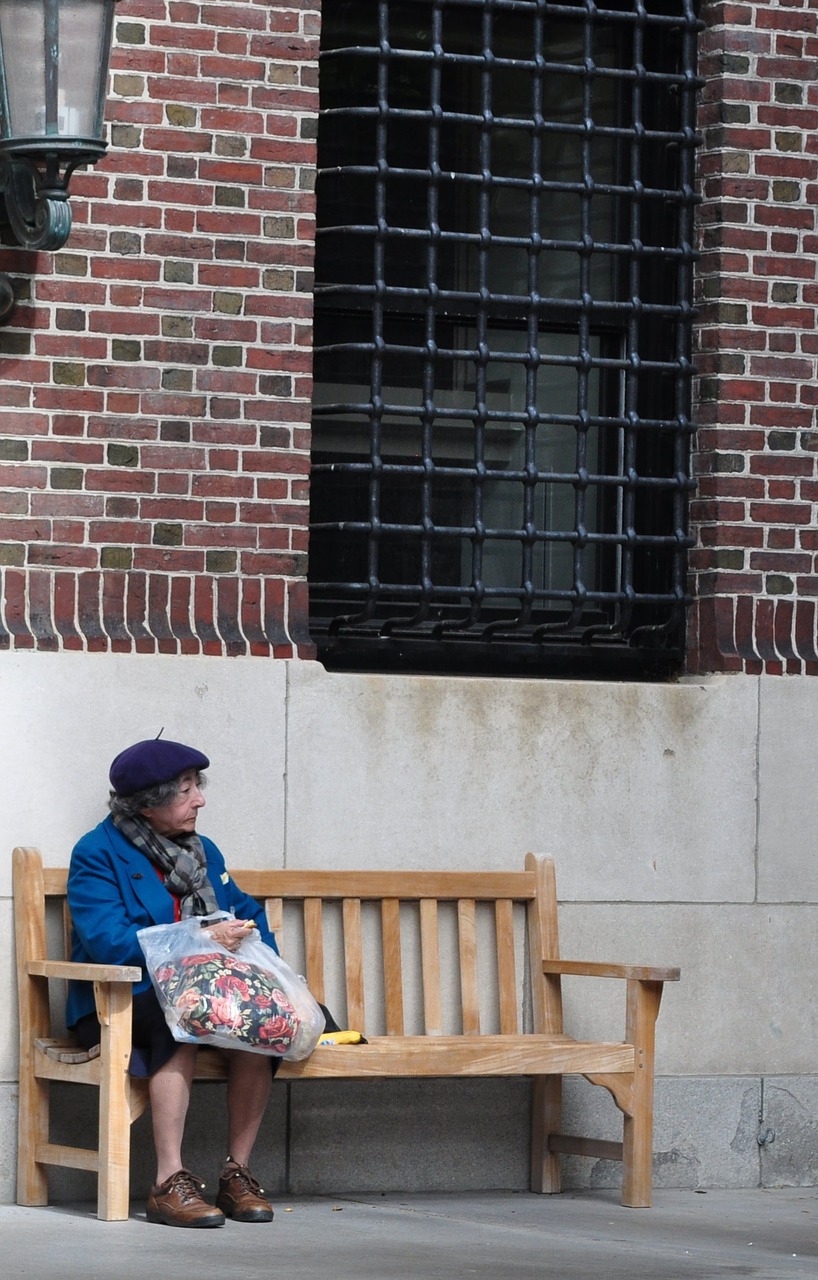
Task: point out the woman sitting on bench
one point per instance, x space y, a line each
146 865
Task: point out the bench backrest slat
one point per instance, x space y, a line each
506 966
392 966
314 946
274 912
430 967
467 949
354 962
66 928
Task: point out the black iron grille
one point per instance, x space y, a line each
504 263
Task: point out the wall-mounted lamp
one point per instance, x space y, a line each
53 78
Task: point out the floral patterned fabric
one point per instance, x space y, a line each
250 999
222 995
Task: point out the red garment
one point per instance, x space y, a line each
177 902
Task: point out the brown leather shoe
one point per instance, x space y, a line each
240 1196
178 1203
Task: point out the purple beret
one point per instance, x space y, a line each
155 760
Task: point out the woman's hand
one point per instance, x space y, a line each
230 934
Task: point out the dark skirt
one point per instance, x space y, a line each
153 1044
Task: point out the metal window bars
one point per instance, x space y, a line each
503 311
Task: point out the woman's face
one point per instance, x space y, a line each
178 816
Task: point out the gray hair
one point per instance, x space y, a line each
154 797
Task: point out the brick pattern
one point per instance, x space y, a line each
155 382
754 518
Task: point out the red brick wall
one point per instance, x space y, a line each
754 566
155 380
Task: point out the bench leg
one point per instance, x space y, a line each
32 1130
113 1189
643 1001
33 1104
546 1118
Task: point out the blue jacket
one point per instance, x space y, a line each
114 890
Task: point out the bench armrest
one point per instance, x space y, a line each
83 972
592 969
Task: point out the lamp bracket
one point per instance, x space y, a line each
7 298
36 206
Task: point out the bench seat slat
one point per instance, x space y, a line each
461 1056
46 1067
66 1050
493 1055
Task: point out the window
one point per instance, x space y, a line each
502 367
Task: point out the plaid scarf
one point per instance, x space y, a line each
182 862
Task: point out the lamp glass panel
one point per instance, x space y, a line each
83 66
22 42
54 86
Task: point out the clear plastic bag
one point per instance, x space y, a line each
249 999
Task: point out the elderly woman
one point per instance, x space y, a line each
146 865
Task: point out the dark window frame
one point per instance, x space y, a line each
389 521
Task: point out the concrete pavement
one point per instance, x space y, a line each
766 1234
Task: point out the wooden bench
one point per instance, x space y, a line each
448 974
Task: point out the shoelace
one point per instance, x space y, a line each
246 1179
188 1186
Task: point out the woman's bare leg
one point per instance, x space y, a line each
169 1089
249 1081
